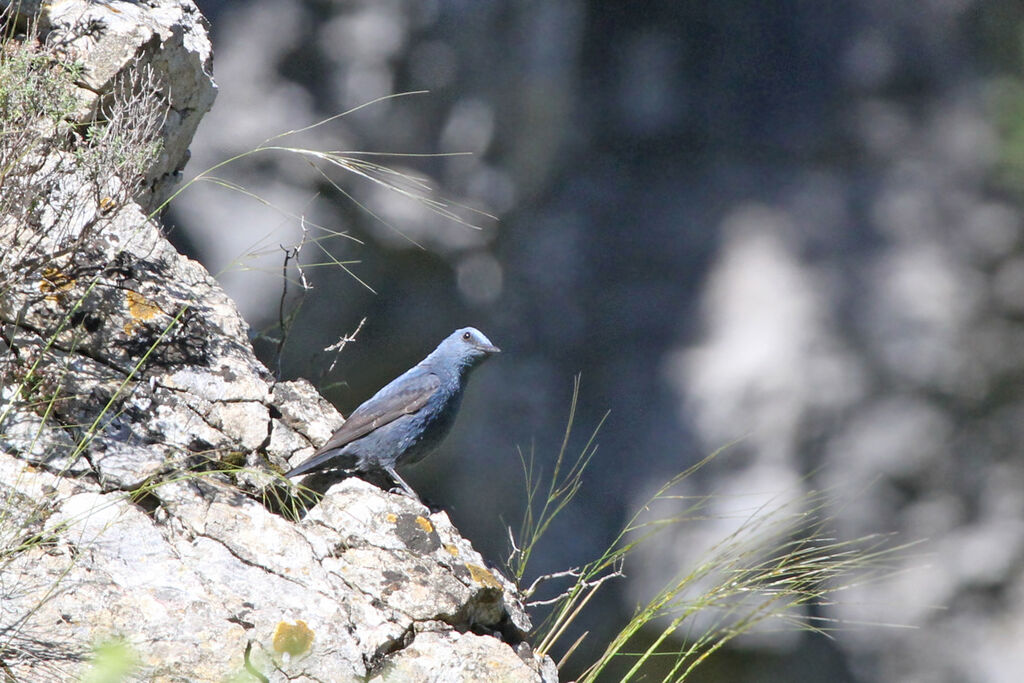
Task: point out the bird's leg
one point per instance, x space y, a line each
401 482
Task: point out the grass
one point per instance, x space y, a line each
37 99
563 486
780 567
362 165
112 660
358 163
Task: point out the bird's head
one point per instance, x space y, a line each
470 346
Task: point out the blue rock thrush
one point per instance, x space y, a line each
409 417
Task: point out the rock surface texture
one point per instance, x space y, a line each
138 430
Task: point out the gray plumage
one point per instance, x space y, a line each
403 422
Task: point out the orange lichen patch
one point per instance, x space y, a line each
481 575
54 282
391 517
424 524
452 550
140 308
294 639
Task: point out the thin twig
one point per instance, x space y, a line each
575 573
285 321
338 346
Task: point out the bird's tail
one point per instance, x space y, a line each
326 462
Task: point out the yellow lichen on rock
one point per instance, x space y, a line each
481 575
295 639
140 308
54 282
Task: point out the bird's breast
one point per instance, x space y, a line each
432 424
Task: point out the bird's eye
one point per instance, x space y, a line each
467 336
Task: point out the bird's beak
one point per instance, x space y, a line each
489 348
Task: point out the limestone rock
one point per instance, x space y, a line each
140 436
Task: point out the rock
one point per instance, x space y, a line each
167 35
445 657
139 439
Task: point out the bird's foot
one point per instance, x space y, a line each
402 487
399 491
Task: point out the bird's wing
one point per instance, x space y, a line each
404 396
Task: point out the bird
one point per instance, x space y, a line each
406 420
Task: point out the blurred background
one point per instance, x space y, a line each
797 224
